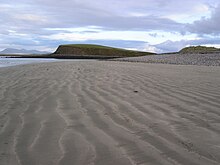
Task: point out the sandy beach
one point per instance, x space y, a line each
109 113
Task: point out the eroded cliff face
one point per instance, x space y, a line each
70 50
82 51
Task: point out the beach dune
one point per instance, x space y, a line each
109 113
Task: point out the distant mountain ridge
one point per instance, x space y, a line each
21 51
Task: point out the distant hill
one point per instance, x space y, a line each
21 51
96 50
199 49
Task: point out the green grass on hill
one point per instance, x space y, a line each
89 49
199 49
89 46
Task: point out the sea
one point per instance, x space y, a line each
6 62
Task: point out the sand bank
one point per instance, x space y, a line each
109 113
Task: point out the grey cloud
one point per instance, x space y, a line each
112 15
75 13
207 25
153 35
174 46
115 7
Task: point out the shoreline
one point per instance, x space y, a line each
104 112
200 59
9 62
60 56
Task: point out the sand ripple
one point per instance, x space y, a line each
95 113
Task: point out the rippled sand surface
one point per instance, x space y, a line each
109 113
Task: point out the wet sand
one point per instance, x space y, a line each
109 113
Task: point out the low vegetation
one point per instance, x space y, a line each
199 49
96 50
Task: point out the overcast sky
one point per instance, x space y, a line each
149 25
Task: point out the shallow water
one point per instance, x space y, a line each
5 62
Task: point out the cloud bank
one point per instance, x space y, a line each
209 25
156 25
